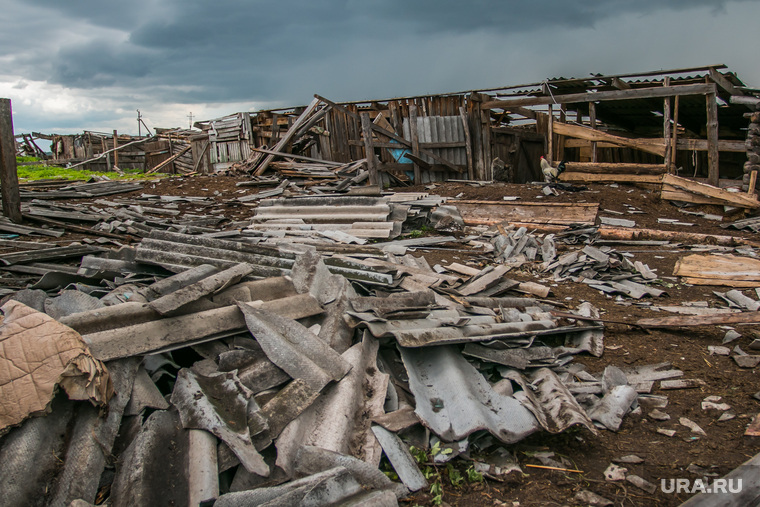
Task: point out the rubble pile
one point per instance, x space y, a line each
225 369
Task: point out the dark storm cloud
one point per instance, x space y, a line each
235 49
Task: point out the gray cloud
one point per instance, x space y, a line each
170 51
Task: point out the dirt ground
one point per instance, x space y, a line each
725 446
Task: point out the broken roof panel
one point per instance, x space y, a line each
455 400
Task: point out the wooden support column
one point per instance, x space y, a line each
414 133
674 151
369 149
592 120
473 110
713 171
275 130
666 132
550 136
8 171
115 146
468 143
485 124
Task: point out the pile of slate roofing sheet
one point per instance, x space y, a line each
190 368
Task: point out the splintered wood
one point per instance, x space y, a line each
719 270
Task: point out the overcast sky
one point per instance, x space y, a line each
88 65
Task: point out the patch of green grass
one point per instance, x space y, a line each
41 171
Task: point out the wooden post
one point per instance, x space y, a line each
674 151
468 143
8 173
550 136
473 110
666 126
115 145
752 182
592 120
485 119
713 171
275 130
415 141
369 149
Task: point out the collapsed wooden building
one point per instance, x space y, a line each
633 127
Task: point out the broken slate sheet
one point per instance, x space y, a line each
37 354
218 404
454 399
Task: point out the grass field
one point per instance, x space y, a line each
33 172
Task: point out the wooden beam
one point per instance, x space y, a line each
115 146
522 111
675 144
731 198
745 101
299 157
579 177
636 93
170 159
369 149
606 167
550 136
713 170
620 84
724 83
8 171
592 120
414 134
727 145
643 144
666 126
468 143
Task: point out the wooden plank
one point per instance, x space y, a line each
724 83
675 143
724 145
550 136
8 172
491 213
116 151
710 268
369 149
169 160
606 167
592 121
713 170
666 129
702 189
638 93
670 193
414 134
610 178
648 145
299 157
468 143
701 320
